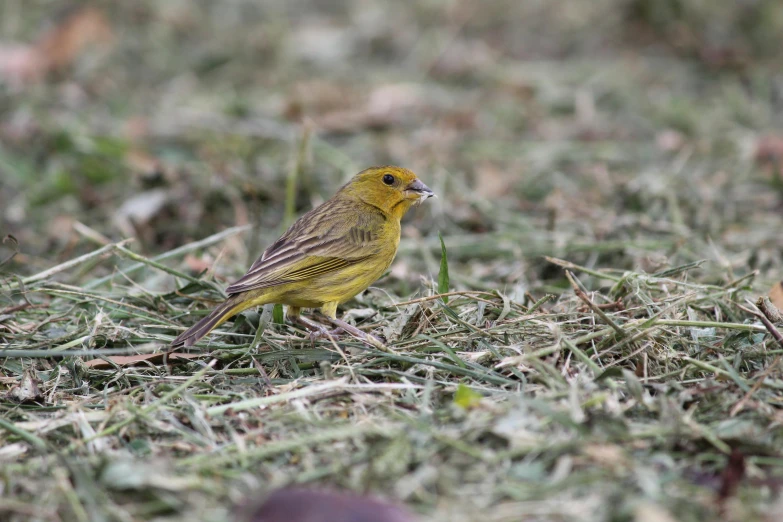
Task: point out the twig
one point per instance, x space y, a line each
445 294
760 379
54 353
568 265
264 376
258 402
308 391
710 324
174 253
581 355
23 306
164 268
69 264
583 296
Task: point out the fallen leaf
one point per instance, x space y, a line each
133 360
75 32
776 295
56 49
27 390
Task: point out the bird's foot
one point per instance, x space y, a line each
319 331
322 332
363 336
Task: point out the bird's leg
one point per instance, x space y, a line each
316 329
330 311
364 336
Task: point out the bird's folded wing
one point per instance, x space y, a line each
305 252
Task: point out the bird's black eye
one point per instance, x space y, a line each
388 179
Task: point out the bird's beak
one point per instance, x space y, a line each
419 190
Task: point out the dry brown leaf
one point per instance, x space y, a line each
776 295
56 49
27 390
61 45
133 360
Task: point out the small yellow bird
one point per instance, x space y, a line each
328 255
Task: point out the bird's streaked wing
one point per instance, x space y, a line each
326 239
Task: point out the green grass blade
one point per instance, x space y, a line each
443 274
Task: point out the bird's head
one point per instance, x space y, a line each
392 189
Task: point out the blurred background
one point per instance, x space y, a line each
608 132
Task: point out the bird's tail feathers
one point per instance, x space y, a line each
229 308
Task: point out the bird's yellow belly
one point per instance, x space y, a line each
336 287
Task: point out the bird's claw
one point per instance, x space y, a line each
363 336
322 332
319 331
